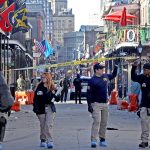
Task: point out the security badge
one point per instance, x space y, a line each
40 93
144 85
104 79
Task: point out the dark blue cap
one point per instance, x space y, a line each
98 66
146 66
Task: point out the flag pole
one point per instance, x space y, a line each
0 51
4 55
7 71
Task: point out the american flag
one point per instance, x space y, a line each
40 46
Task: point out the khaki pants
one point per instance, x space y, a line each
145 119
100 117
46 124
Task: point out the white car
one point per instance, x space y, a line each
84 84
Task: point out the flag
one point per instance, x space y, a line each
5 23
18 3
49 49
2 2
9 2
20 20
41 46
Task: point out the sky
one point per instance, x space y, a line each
83 10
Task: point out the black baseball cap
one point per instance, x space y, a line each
146 66
98 66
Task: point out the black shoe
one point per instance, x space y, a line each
143 144
80 103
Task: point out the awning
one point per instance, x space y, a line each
114 19
127 44
118 14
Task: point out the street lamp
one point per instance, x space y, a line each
140 49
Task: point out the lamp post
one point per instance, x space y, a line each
140 49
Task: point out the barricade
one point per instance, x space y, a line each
21 96
123 104
114 98
16 106
30 95
24 97
133 104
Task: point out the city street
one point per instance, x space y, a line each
72 129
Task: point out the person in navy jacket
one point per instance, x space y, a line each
144 111
45 108
97 103
77 83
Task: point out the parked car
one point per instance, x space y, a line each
84 84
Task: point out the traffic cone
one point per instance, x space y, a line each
133 105
114 98
123 104
16 106
21 97
30 95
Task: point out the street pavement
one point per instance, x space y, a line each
72 129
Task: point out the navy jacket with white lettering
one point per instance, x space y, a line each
97 87
42 97
144 81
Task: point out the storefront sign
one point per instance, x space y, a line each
130 35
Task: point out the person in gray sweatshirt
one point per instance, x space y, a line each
6 102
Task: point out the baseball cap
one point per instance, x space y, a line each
146 66
98 66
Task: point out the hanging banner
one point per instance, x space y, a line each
5 24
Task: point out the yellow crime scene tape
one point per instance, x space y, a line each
74 63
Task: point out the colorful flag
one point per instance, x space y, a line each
2 1
5 23
49 49
20 20
41 46
2 4
18 3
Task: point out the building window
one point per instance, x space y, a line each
55 24
59 23
63 24
69 23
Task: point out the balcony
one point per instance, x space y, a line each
127 36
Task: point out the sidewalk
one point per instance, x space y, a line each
72 129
